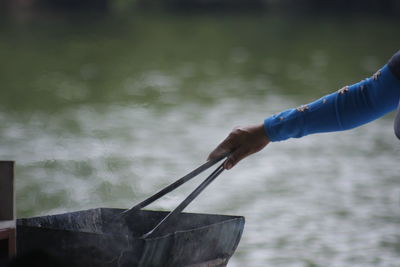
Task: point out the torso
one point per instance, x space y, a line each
397 123
394 65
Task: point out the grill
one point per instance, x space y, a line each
135 237
83 238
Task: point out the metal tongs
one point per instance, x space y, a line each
172 216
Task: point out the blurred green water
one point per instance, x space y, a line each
74 61
105 111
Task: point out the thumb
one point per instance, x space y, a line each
235 157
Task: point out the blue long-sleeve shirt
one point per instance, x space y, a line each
349 107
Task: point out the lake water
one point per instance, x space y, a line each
104 112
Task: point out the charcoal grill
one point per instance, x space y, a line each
135 237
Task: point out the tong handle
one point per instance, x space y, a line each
172 216
173 186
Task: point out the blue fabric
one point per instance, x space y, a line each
350 107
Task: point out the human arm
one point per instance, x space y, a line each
349 107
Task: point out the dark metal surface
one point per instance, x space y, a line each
7 197
79 239
173 215
7 211
173 186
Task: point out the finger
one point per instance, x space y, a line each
235 157
226 146
216 153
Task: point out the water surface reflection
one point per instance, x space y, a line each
106 113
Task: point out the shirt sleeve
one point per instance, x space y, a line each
349 107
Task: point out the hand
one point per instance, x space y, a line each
241 142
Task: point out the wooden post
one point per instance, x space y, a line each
7 210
